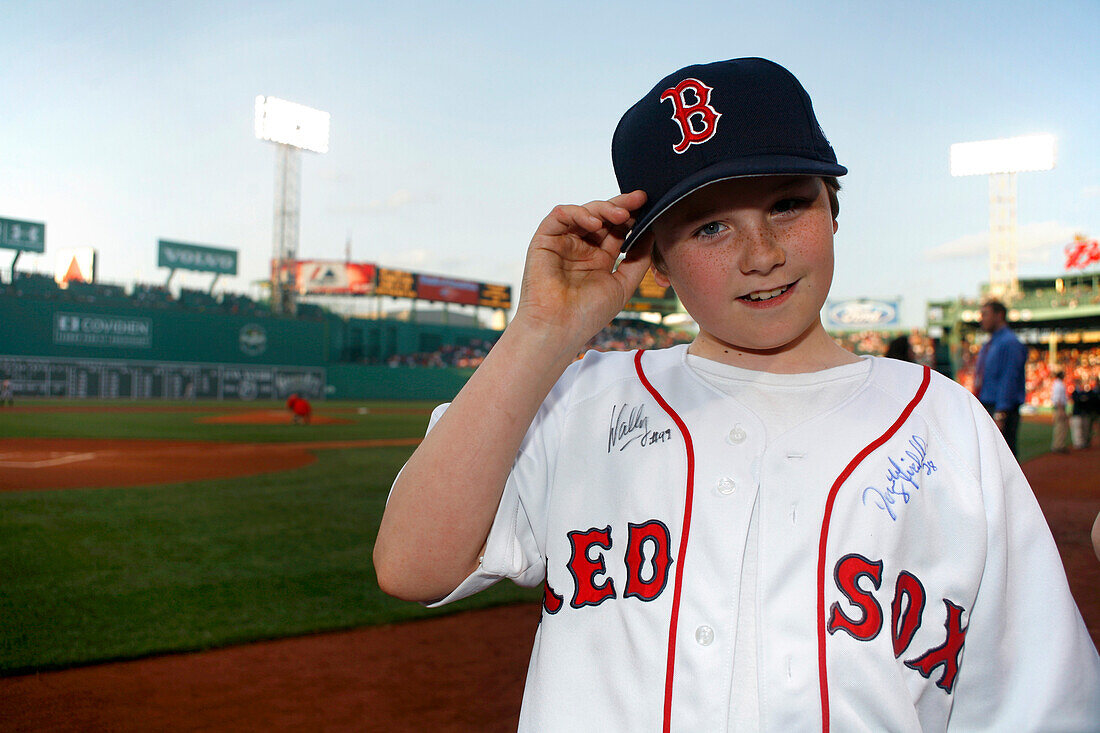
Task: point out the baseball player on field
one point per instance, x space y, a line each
759 530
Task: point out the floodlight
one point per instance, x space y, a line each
1001 160
292 124
293 128
1007 155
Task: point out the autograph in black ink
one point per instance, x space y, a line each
902 477
633 425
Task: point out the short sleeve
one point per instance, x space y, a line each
515 548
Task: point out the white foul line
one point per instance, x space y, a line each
48 462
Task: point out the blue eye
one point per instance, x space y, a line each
711 229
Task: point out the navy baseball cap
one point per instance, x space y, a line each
711 122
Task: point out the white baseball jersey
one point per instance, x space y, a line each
906 578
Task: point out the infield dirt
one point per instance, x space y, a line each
69 463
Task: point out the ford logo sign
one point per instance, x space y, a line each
863 313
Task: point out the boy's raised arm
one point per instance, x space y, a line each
443 503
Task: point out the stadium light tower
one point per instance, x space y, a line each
1001 160
293 128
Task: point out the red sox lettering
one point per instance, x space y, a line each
648 560
906 614
687 113
648 563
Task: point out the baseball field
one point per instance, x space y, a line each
207 566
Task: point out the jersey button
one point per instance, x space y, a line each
704 635
726 485
737 435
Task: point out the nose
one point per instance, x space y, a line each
761 252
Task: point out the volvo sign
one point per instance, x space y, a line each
179 256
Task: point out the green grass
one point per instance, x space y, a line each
96 575
185 426
1033 439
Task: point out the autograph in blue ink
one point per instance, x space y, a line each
902 477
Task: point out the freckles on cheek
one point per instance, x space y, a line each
701 276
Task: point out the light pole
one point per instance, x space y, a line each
1001 160
293 128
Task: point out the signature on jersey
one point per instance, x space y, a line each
630 424
902 477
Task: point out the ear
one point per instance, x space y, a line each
661 277
836 225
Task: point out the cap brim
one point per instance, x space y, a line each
772 165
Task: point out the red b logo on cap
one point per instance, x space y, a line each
685 113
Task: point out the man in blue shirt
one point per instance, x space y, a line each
999 378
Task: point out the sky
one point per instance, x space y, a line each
456 127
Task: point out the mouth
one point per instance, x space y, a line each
759 296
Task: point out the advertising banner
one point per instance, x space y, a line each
329 277
179 256
861 313
1081 253
447 290
75 265
25 235
90 329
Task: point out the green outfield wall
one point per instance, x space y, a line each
369 382
88 330
115 348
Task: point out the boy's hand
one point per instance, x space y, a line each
571 286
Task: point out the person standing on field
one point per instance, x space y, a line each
1059 401
1080 421
999 377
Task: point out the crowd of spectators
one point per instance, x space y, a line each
1080 364
922 348
469 355
621 335
141 295
872 343
627 335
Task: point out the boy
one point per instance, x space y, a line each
761 530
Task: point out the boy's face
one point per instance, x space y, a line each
751 259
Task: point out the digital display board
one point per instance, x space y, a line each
650 297
395 283
495 296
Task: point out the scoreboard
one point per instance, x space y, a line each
369 279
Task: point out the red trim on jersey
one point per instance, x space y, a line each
822 675
671 664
